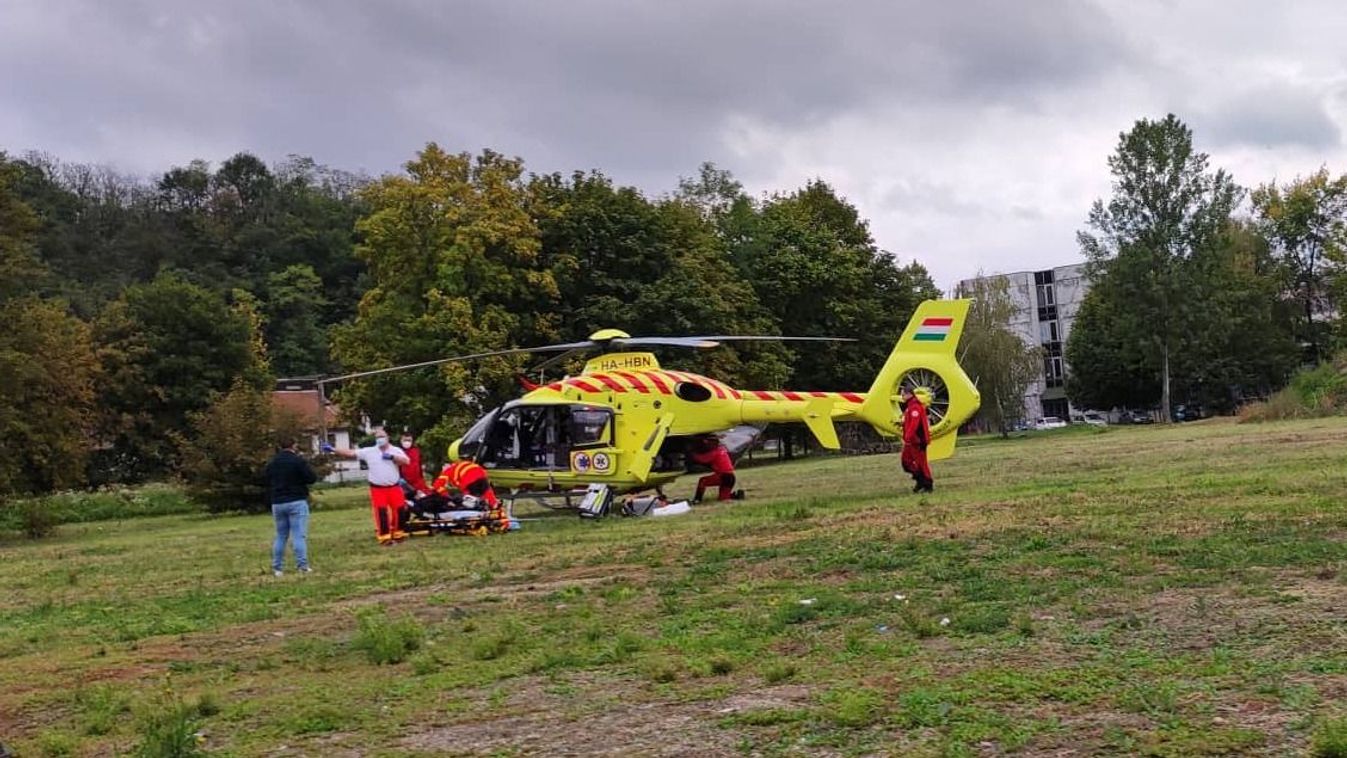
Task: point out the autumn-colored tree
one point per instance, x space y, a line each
227 445
453 257
1001 364
1306 221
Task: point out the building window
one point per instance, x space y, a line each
1053 370
1048 313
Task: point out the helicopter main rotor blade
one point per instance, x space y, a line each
457 358
716 340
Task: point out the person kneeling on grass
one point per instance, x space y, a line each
707 451
470 478
385 492
288 480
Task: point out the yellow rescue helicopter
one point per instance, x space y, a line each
626 422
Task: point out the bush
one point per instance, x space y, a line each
387 641
1316 392
35 520
104 504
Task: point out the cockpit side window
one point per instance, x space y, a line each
590 426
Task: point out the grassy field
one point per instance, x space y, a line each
1167 591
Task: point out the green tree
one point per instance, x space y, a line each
453 256
1306 220
1165 206
1110 358
1001 364
20 271
649 268
296 335
165 347
818 272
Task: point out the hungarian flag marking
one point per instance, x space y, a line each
933 329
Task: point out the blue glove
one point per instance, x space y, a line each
388 456
326 448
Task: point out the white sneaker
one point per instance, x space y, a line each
305 570
277 573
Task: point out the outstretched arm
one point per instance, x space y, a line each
340 452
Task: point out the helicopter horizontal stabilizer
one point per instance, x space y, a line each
818 416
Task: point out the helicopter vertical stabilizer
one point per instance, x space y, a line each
924 361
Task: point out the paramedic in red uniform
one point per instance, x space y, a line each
385 493
411 471
916 436
708 451
470 478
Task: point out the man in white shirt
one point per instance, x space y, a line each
385 493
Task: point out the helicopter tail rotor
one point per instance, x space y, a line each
924 363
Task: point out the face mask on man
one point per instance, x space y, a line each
381 442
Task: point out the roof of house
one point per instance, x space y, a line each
304 404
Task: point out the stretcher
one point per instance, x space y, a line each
437 514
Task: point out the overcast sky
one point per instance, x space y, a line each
973 135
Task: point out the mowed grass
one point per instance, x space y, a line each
1165 591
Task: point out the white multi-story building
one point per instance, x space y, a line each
1046 303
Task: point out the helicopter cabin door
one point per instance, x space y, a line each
558 438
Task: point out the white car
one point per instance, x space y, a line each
1049 422
1093 418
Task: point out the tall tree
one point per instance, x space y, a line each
453 257
1166 205
1306 220
296 335
164 348
20 270
47 366
1001 363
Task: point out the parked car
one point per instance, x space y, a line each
1188 413
1093 418
1049 422
1135 417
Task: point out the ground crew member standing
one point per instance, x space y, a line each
470 478
708 451
916 436
411 472
385 494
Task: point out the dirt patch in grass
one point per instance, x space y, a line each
608 717
539 723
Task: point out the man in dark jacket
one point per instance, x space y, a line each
916 436
288 480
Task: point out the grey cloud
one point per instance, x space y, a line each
627 86
1269 117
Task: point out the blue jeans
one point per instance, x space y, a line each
292 522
